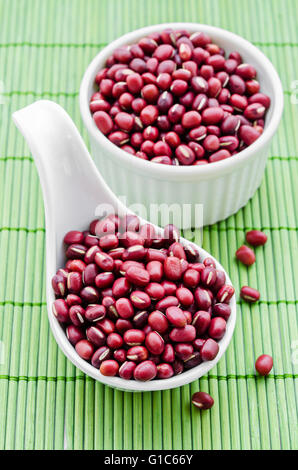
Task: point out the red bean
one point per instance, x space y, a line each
134 82
106 87
59 284
246 71
134 337
219 155
236 85
95 313
104 261
77 315
222 310
168 354
246 255
109 368
114 341
124 308
61 311
158 322
84 349
203 298
108 242
193 361
137 353
150 133
249 294
155 270
214 87
173 268
90 254
155 291
176 316
126 370
191 278
140 299
76 251
211 143
104 280
149 78
261 98
191 119
201 320
208 276
154 343
199 85
239 102
149 115
217 328
169 288
182 335
254 111
248 134
178 87
106 325
164 81
212 115
225 293
137 276
95 336
264 364
124 121
209 350
256 237
74 334
163 52
74 236
130 238
140 319
120 355
185 296
145 371
183 351
73 299
198 343
121 287
150 93
229 142
177 250
164 371
185 154
175 113
202 400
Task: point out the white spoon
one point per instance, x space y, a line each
72 190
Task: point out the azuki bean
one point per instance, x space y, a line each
84 349
202 400
264 364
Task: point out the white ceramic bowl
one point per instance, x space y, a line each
223 187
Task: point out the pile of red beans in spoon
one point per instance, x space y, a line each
174 98
139 305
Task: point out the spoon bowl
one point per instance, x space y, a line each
74 194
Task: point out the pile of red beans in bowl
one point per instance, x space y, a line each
174 98
139 305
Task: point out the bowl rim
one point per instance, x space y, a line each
157 384
173 172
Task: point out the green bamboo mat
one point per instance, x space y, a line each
45 402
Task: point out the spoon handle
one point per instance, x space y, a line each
74 192
68 175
